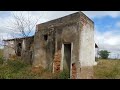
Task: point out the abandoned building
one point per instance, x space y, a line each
63 44
19 47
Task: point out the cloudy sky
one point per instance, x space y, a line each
107 26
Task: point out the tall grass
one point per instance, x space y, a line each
107 69
19 70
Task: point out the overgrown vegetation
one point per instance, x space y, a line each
17 69
62 75
107 69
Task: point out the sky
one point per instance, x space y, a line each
107 26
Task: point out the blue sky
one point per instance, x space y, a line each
107 25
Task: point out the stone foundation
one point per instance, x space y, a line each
86 73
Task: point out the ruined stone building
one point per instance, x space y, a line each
66 43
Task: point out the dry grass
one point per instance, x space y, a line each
107 69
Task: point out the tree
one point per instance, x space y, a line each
21 25
104 54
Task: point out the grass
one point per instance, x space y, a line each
62 75
17 69
107 69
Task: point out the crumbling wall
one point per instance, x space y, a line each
9 51
27 50
44 48
12 50
67 34
76 29
59 31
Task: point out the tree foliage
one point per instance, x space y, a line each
104 54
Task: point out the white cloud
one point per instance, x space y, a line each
108 40
117 24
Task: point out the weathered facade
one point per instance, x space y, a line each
64 44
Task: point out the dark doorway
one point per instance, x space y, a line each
19 49
67 59
46 37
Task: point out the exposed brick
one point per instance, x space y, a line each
57 59
74 71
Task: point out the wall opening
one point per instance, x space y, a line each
46 37
67 59
19 49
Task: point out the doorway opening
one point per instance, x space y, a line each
67 59
19 49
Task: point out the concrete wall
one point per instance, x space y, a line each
87 43
68 35
76 29
27 50
42 48
87 47
59 31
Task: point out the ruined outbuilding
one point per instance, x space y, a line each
20 48
65 44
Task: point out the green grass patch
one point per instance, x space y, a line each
62 75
